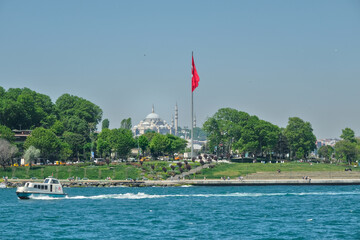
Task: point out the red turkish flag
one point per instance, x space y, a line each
195 77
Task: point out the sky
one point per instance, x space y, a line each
273 59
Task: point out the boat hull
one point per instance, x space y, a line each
29 195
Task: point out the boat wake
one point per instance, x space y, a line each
149 196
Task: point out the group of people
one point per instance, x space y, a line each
306 178
224 178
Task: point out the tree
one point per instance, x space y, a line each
31 154
24 108
79 115
282 145
346 151
348 148
348 134
65 151
105 123
6 133
103 147
45 140
176 144
224 129
7 151
143 143
326 152
300 137
103 143
159 144
126 123
258 137
58 128
121 140
76 142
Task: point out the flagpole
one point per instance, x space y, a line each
192 118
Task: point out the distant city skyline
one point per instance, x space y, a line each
273 59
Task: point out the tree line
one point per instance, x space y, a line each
66 129
346 150
231 130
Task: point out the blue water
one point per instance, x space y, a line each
262 212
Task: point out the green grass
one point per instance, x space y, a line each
242 169
116 172
136 171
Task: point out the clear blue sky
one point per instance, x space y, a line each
273 59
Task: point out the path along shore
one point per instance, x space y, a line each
194 182
255 179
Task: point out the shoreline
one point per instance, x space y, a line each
12 183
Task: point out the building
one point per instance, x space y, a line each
153 122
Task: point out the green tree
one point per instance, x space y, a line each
76 142
300 137
176 144
348 148
65 151
79 115
346 151
121 141
326 152
348 134
159 144
6 133
282 145
103 147
143 143
24 108
105 123
45 140
225 128
126 123
58 128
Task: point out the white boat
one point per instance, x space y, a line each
2 185
50 187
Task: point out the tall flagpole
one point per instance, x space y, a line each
192 119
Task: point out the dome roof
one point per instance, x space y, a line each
152 116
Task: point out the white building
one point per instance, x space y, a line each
153 122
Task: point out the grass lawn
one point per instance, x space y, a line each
136 171
234 170
116 172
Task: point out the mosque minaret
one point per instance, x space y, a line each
176 120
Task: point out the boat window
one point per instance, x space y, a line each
46 180
55 181
27 185
45 187
35 186
42 186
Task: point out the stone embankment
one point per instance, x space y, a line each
196 182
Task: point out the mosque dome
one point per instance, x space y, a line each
153 116
153 122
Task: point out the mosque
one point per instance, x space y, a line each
153 122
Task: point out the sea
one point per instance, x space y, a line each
188 212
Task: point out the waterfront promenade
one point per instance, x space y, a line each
194 182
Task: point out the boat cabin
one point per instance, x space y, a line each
49 185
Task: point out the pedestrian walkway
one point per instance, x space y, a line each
192 171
